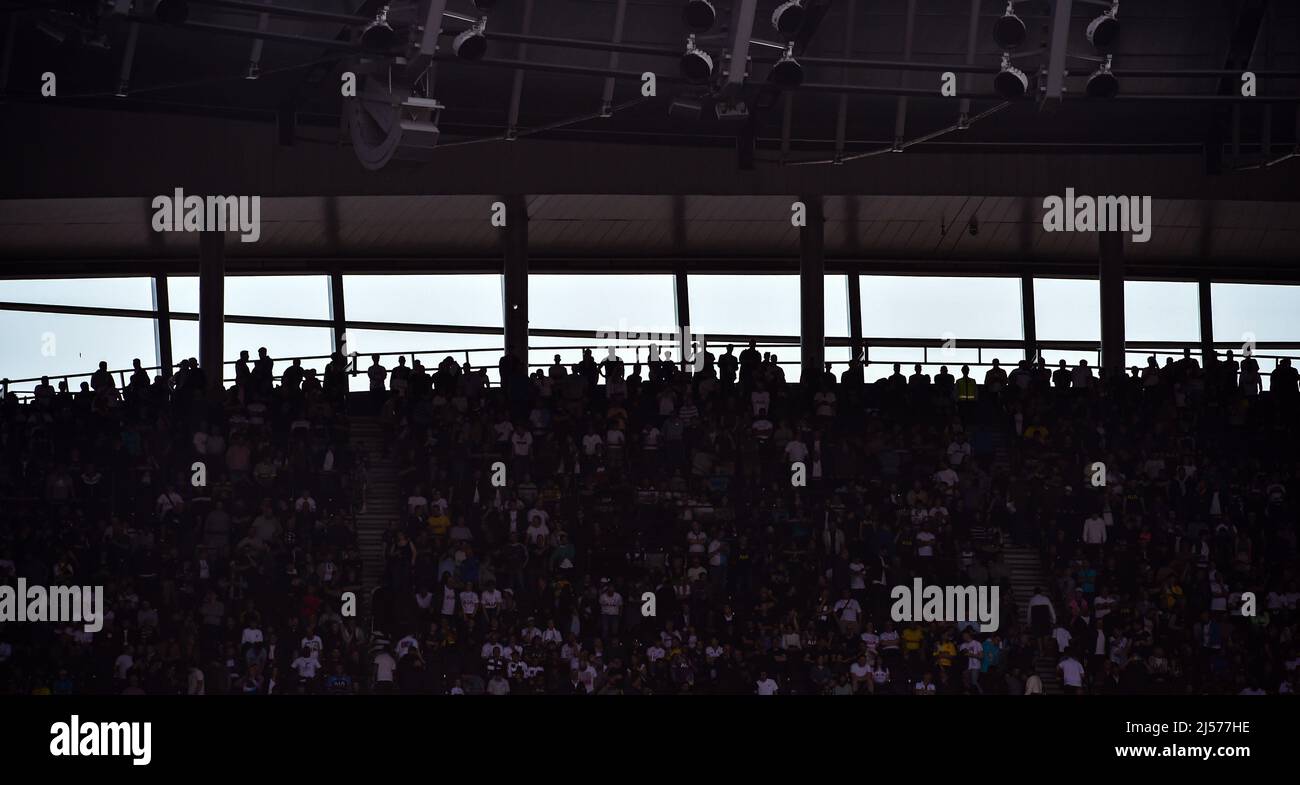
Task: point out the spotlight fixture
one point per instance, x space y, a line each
788 17
696 64
172 11
1104 30
378 34
1011 82
1009 30
471 44
786 72
1103 83
699 15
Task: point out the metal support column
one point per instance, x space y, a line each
855 314
515 278
1111 247
1056 58
1207 319
812 291
162 326
683 298
212 295
338 312
1028 318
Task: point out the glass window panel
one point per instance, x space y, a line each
87 292
1067 309
606 303
839 357
902 306
290 296
1161 311
1053 357
53 344
470 300
837 308
1270 313
542 349
430 348
745 304
279 341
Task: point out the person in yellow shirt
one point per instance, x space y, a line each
945 651
439 523
912 637
966 388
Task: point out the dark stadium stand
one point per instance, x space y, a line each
626 482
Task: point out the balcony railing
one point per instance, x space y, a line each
877 351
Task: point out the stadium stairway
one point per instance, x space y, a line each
1026 571
380 504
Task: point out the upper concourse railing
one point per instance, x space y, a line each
876 352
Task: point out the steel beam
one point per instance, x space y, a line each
1059 51
515 276
812 290
212 260
1111 273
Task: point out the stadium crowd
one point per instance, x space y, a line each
643 527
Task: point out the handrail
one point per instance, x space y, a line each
1157 348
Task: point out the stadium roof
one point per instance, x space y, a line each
82 165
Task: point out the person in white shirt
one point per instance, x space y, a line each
469 601
490 599
765 685
385 670
1041 616
860 673
1063 638
958 452
925 686
449 596
611 611
551 634
537 532
848 611
1034 685
592 444
974 652
796 451
123 664
1071 674
305 666
946 475
696 539
1094 530
252 634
